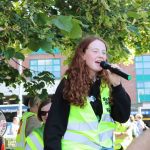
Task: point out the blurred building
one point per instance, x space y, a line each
139 87
37 62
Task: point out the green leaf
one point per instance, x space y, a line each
89 16
41 85
27 73
133 14
106 6
46 46
63 23
44 94
94 1
133 29
42 19
76 31
34 44
19 55
9 53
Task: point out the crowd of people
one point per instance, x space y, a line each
90 109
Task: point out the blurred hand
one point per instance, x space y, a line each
114 79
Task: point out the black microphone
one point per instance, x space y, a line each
106 65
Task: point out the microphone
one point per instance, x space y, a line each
106 65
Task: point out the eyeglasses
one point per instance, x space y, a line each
43 113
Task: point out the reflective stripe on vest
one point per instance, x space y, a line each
84 129
28 147
82 126
91 125
80 139
34 141
20 140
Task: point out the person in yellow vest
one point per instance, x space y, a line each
119 136
28 122
123 135
35 139
86 102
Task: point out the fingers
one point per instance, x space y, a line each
116 66
114 79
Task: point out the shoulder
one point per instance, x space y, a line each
27 115
32 122
33 119
62 83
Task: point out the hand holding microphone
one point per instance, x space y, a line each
106 65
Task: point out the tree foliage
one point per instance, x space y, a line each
124 24
27 25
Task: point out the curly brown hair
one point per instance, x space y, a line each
78 82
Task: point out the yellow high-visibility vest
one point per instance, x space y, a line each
119 138
84 131
20 139
35 140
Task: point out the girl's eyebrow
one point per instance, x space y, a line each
96 48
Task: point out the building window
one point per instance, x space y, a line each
139 65
146 58
139 71
147 71
147 85
138 59
52 65
140 85
142 66
147 91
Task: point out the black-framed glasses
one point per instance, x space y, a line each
43 113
